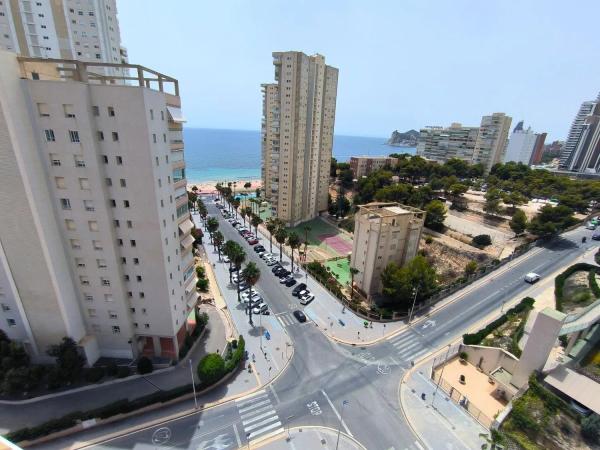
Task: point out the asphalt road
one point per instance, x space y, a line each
323 375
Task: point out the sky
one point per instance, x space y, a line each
402 64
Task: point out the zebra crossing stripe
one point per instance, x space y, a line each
260 410
271 412
246 401
265 429
407 347
402 338
256 405
261 425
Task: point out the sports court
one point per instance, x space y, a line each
330 240
341 269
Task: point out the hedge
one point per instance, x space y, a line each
211 368
559 282
477 338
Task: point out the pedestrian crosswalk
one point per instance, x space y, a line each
258 415
286 319
408 346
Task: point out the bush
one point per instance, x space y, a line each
112 370
559 282
123 372
482 240
211 368
94 374
464 356
201 272
202 285
144 366
590 428
239 349
428 239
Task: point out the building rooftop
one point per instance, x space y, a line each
396 210
388 209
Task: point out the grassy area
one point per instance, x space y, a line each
508 335
341 269
577 292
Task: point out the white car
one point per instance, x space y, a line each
260 309
532 277
246 297
265 255
306 299
226 259
271 262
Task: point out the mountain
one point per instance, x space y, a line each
407 139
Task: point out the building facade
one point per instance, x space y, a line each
585 157
363 165
98 243
524 145
491 140
383 233
297 135
575 133
538 148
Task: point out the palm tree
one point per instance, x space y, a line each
306 229
229 250
217 241
280 237
243 214
272 226
251 274
293 241
236 205
239 256
353 271
256 221
212 226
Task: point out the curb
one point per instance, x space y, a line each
261 442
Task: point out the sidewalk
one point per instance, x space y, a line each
268 356
443 425
310 438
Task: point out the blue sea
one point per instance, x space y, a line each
213 155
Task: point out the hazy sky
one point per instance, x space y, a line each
403 63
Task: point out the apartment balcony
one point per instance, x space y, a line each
181 200
176 156
182 183
180 164
176 146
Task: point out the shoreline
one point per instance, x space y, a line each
208 186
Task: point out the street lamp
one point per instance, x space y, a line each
441 375
413 305
193 384
344 403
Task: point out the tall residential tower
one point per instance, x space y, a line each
297 135
95 239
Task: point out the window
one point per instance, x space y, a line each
136 261
112 314
79 161
129 224
138 278
80 262
89 205
98 55
146 325
54 159
126 277
154 137
95 111
142 295
91 312
111 111
135 324
132 242
75 244
119 160
164 138
120 242
88 297
100 135
129 294
113 203
123 183
123 260
156 160
105 159
151 114
70 224
60 182
92 225
116 329
65 203
69 111
74 136
108 298
43 110
97 245
132 310
108 181
85 281
159 180
35 76
84 184
115 136
104 281
126 203
50 135
162 115
116 223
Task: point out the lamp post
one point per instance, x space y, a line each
441 375
193 384
344 403
413 304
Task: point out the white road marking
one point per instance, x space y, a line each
256 405
336 413
237 436
241 401
418 445
407 347
260 410
262 430
271 412
274 393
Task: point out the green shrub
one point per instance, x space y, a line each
593 283
590 428
211 368
236 355
482 240
200 271
144 366
559 282
123 372
202 284
428 239
94 374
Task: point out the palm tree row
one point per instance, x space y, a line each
282 235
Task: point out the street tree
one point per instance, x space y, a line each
280 237
229 250
68 359
518 223
353 271
256 221
293 241
238 258
436 214
272 226
218 240
212 225
251 274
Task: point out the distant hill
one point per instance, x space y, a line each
407 139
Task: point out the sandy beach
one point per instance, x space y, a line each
207 187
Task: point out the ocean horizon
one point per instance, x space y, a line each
219 154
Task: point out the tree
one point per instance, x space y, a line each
493 441
353 271
211 368
256 221
272 226
212 225
457 190
482 240
18 380
247 185
492 201
470 268
68 358
551 220
243 213
518 223
400 284
280 237
590 428
514 199
293 241
144 365
238 258
436 214
229 250
257 192
218 241
236 204
194 189
251 274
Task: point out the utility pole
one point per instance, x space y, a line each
193 384
441 374
413 304
344 403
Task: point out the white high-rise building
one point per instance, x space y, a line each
575 132
297 135
87 30
491 140
521 145
95 239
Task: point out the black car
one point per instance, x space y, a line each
276 267
278 271
300 316
290 282
259 248
298 289
233 269
283 273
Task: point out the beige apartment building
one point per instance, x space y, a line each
363 165
485 144
383 233
297 135
95 238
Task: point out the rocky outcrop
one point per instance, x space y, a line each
407 139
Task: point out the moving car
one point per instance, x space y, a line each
307 298
301 287
532 277
300 316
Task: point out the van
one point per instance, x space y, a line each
532 277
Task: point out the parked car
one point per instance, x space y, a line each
260 309
226 259
285 279
279 271
243 286
307 298
233 269
253 241
590 226
276 268
300 316
290 282
532 277
301 287
246 297
259 248
596 236
271 262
